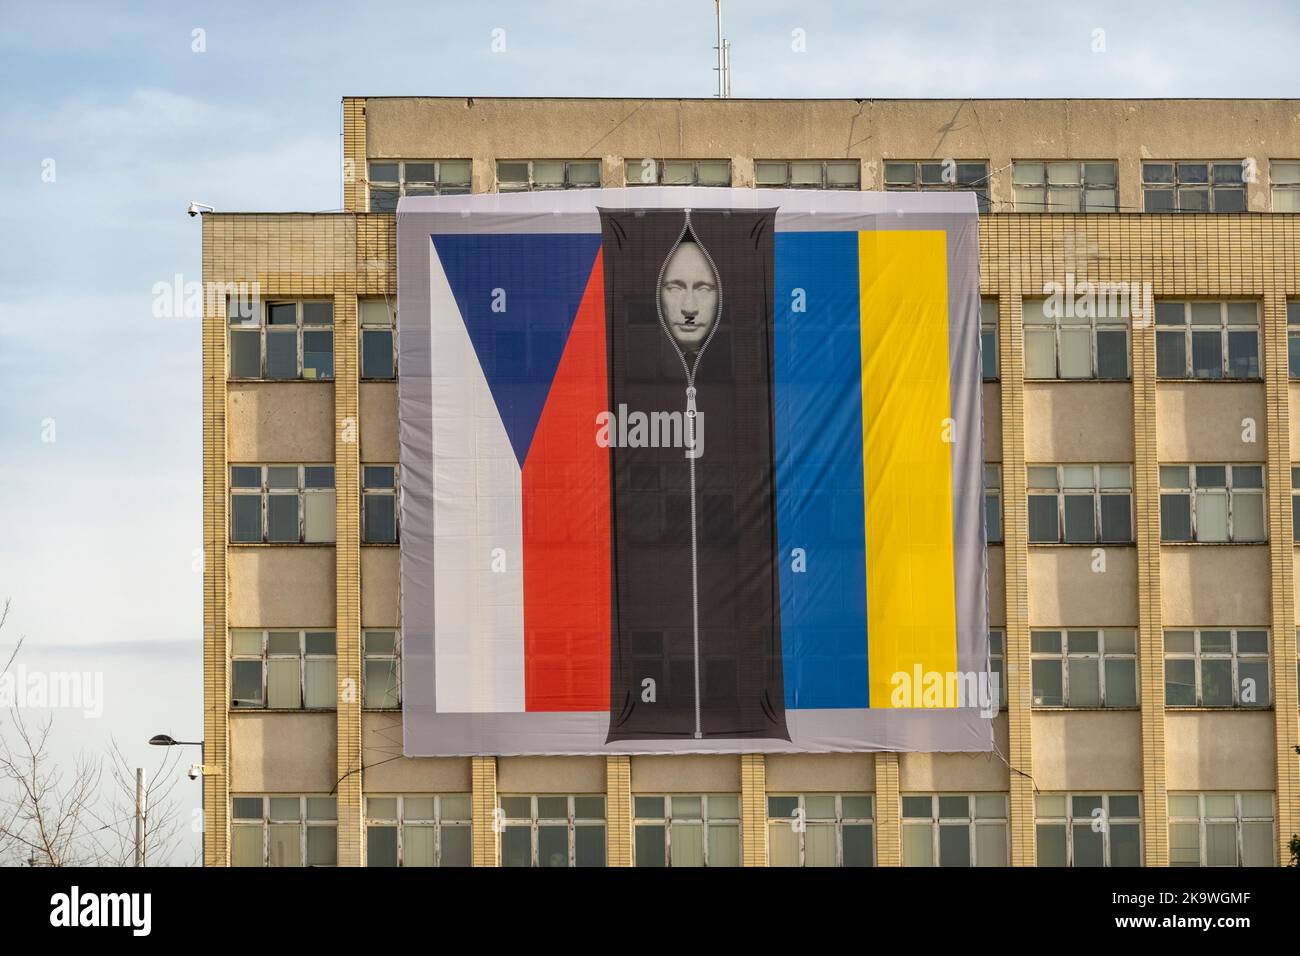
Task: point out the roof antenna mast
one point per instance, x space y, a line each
723 48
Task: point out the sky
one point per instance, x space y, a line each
117 115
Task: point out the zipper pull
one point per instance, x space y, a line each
690 401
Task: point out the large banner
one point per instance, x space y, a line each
690 470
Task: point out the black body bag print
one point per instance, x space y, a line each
696 637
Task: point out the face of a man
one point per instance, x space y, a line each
689 296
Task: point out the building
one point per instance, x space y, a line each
1139 483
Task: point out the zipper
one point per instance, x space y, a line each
691 412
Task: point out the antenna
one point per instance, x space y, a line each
723 69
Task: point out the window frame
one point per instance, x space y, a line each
304 823
266 656
395 657
1239 820
1061 326
368 490
661 167
1179 187
400 822
1098 492
1192 489
572 822
918 183
1234 655
1288 188
997 664
1224 327
836 824
265 493
788 177
706 820
972 821
260 325
532 185
363 328
990 325
1081 186
1065 657
436 187
993 498
1069 821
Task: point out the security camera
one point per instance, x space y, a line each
196 771
196 206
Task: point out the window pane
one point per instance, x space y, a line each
317 354
245 518
765 174
246 354
1220 844
418 845
517 846
381 683
246 683
1252 683
1051 844
381 846
1184 844
918 850
1180 683
318 516
1076 353
1088 846
589 846
1125 845
455 846
1116 518
1112 354
687 844
285 844
1175 517
376 353
1171 354
1243 354
1043 519
282 518
650 845
858 846
553 846
1047 681
246 846
954 845
1216 683
724 845
1211 516
320 681
819 845
282 353
1085 686
380 518
1247 517
1157 200
283 683
1257 844
1121 682
1040 353
1207 355
1079 519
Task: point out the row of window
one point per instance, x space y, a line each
1203 340
295 504
1072 829
1093 503
1047 186
297 670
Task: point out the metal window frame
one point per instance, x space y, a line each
1092 324
303 823
395 658
265 492
1238 819
266 656
402 182
1228 488
1196 655
1069 820
1097 494
999 656
400 822
535 822
660 164
1082 187
1224 327
1065 656
1176 187
825 179
993 492
391 328
991 325
532 186
838 823
982 198
705 820
263 326
971 821
393 492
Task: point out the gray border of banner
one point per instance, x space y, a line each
427 733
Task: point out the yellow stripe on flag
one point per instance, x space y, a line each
907 460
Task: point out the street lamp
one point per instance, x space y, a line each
164 740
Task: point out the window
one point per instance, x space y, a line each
378 340
280 830
1217 668
1286 185
928 175
1073 346
1088 829
281 504
392 178
423 830
993 502
522 175
997 668
382 677
379 504
1065 186
677 172
682 830
823 829
1084 668
989 338
282 670
808 174
955 829
1080 504
1293 338
553 831
1221 829
1193 187
1211 503
284 341
1207 340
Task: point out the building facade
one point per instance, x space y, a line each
1142 293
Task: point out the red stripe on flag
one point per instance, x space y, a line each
566 527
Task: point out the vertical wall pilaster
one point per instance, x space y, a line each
355 197
483 805
889 825
618 810
753 809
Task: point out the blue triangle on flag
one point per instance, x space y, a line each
518 294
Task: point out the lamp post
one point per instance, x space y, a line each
163 740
